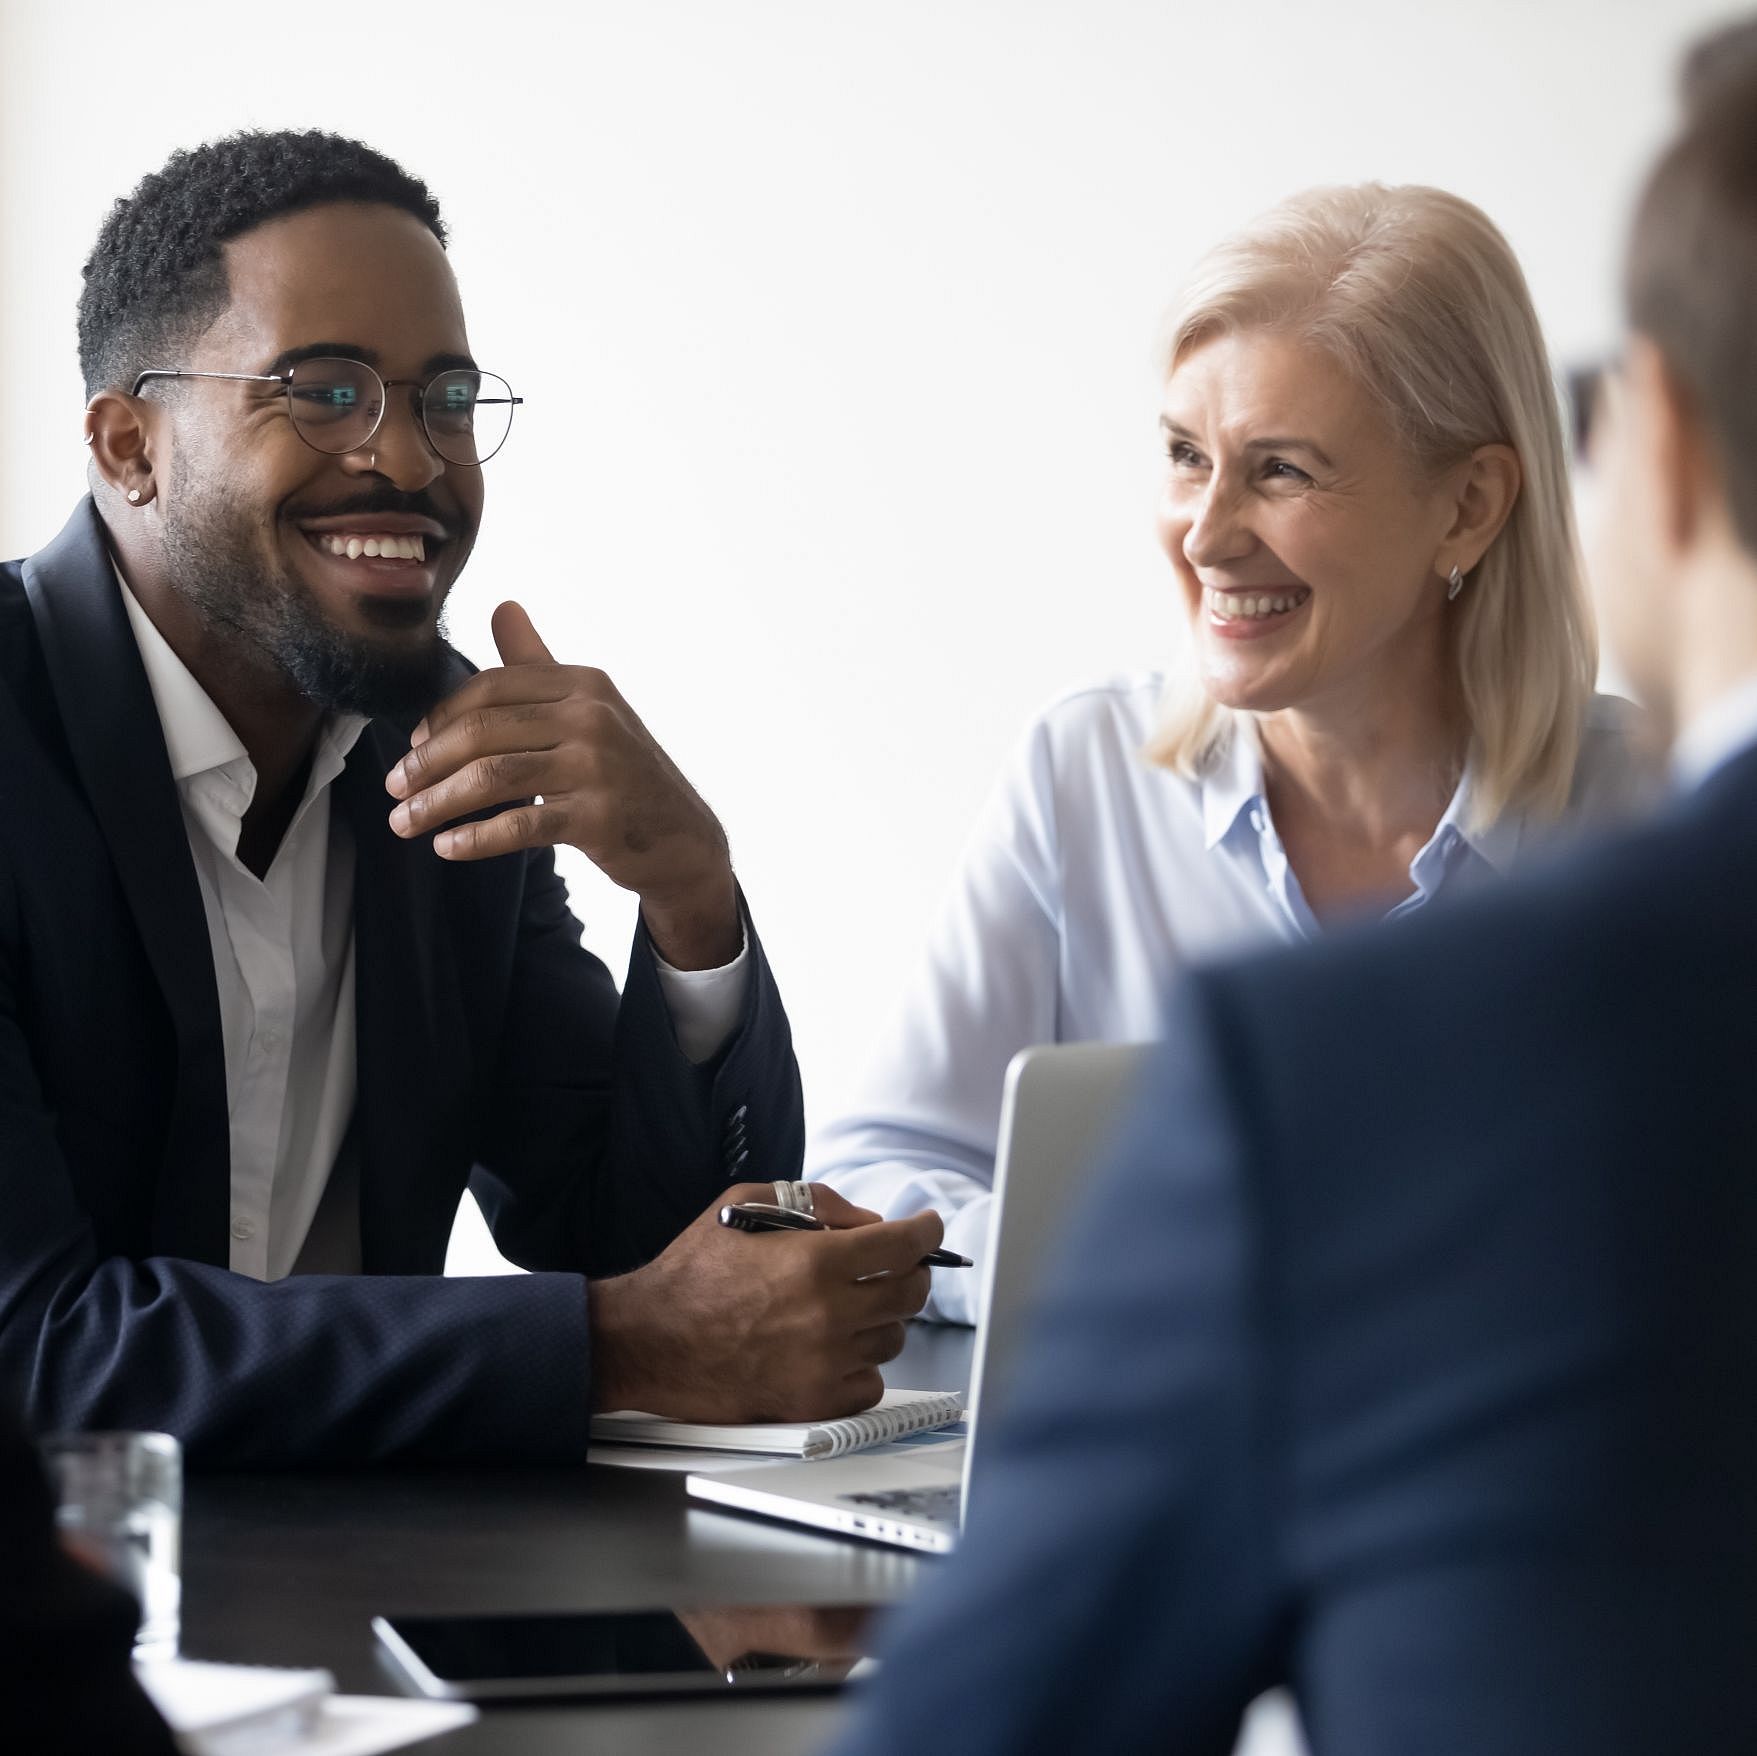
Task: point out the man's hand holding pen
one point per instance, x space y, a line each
765 1216
727 1325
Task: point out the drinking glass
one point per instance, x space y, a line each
120 1506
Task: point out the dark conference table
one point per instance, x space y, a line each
290 1569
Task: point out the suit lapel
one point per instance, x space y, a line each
118 751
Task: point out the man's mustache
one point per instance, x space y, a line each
383 500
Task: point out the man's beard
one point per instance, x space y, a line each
272 613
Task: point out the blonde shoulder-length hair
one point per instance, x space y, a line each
1419 298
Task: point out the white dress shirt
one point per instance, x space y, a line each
283 957
1091 878
1727 726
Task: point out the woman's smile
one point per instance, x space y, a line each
1251 612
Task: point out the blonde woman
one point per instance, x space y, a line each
1387 692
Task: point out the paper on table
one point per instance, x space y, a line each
673 1457
263 1710
217 1710
362 1725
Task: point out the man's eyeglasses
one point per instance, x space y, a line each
336 405
1584 388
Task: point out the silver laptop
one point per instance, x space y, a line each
1056 1112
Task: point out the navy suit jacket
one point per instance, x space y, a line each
493 1051
1405 1354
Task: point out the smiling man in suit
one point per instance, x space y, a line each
1415 1375
284 958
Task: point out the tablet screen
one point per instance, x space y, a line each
705 1649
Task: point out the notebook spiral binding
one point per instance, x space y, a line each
878 1426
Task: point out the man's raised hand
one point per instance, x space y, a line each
570 762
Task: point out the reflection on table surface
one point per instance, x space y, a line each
749 1640
290 1569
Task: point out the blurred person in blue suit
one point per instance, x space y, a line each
1403 1354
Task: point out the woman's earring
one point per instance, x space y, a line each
1454 584
133 496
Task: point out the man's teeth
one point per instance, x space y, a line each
1233 606
386 547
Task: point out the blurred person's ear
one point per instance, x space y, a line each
1671 452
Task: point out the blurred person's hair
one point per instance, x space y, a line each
1690 274
1718 61
1419 299
156 279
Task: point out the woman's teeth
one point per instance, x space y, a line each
1234 606
385 548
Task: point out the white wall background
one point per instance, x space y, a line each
835 322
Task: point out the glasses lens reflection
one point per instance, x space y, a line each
336 405
467 415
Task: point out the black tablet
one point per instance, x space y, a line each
713 1649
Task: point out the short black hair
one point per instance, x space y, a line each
156 275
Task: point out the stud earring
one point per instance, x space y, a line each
133 496
1454 584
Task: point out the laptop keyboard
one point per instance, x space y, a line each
939 1505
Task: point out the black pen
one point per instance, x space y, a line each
759 1216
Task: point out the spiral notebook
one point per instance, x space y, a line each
898 1412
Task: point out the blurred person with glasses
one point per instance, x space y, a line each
285 963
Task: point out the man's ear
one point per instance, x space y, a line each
1664 422
1488 490
118 430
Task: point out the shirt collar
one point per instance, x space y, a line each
198 737
1716 735
1233 785
1498 844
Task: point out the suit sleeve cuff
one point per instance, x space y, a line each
706 1004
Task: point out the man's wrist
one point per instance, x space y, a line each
701 929
614 1384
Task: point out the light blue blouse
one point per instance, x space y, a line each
1092 876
